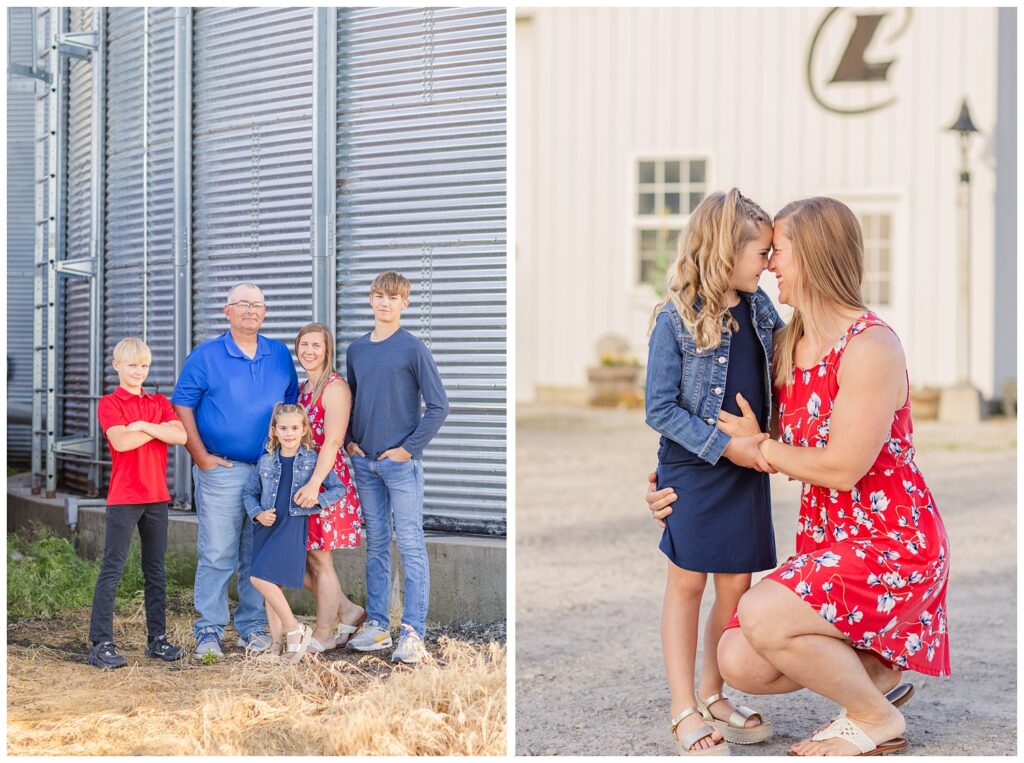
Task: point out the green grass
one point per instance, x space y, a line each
46 578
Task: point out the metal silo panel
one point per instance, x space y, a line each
21 100
73 361
252 164
421 178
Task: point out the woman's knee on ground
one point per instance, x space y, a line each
741 667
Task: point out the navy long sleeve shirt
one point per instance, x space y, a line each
387 380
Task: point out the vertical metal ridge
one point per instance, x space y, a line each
325 70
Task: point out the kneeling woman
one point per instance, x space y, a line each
279 541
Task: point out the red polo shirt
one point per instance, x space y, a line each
138 475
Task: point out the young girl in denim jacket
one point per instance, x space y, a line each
279 539
710 352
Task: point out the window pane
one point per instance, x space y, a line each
867 224
697 171
883 260
672 203
648 241
673 241
885 222
646 204
883 292
695 200
646 172
672 172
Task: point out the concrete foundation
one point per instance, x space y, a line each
467 574
960 405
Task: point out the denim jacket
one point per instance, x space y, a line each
685 386
260 491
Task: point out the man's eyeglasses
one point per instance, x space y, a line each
245 305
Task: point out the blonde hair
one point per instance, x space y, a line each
132 349
391 283
828 250
283 409
328 367
720 226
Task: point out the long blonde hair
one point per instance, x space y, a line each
720 226
283 409
328 367
828 250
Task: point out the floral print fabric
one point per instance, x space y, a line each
340 525
872 561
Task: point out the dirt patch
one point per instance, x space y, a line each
340 703
590 577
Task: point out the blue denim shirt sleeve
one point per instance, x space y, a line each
334 490
664 414
251 494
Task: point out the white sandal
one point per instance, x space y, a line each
845 729
295 652
348 630
683 745
735 729
315 645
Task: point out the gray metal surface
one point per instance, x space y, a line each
73 359
20 231
421 190
252 164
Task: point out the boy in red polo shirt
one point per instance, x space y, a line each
139 427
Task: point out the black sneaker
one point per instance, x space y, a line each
164 649
104 655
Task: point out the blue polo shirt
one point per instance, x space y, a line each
232 396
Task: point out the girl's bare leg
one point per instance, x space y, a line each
729 587
679 614
274 597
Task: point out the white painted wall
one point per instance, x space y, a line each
597 87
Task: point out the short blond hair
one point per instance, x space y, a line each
391 283
132 349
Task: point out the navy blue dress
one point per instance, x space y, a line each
279 551
722 520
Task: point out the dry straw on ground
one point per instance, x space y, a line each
347 704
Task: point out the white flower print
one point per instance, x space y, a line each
889 625
828 611
855 495
839 534
828 559
886 602
925 619
910 487
787 435
826 587
806 376
893 580
814 405
822 368
803 588
873 579
868 637
894 446
854 615
879 501
787 573
819 534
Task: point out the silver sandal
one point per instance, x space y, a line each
735 729
683 745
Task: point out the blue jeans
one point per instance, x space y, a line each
391 494
225 543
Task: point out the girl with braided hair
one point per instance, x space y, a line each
710 351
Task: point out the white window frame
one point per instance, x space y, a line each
638 222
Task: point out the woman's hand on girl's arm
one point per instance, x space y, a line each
739 426
743 451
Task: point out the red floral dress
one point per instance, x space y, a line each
873 561
340 525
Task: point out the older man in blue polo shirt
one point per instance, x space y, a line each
224 397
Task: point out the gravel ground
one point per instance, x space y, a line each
589 577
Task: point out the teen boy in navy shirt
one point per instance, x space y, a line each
389 370
139 427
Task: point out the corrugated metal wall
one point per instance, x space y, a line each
421 190
252 164
73 363
21 213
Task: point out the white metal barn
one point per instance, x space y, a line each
626 117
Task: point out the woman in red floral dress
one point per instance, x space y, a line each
325 396
865 594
